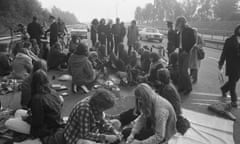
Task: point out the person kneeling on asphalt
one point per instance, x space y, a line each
81 68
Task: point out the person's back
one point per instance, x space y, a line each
80 67
34 29
5 64
47 109
22 66
162 105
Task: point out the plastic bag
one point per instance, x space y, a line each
221 76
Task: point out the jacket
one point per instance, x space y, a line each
231 54
81 69
188 39
194 61
45 116
132 35
22 66
5 64
34 29
165 123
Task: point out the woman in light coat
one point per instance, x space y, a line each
194 61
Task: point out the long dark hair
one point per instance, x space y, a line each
40 82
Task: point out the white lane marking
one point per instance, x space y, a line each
213 58
202 104
206 100
206 94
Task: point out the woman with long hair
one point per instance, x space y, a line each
157 121
44 117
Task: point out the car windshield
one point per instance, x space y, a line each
152 30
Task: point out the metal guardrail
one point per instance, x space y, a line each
211 41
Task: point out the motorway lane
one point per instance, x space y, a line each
207 91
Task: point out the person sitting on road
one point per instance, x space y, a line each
73 44
168 90
81 68
44 117
22 65
173 68
86 123
26 95
5 61
145 60
157 120
56 57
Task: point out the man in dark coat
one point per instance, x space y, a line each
231 54
116 30
172 38
102 32
185 42
34 29
53 31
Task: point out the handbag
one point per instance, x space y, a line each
200 54
182 125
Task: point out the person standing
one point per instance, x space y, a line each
53 30
94 30
102 33
34 29
132 36
186 40
109 37
172 38
116 30
123 32
231 54
194 61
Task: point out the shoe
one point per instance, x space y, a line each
234 104
74 88
224 94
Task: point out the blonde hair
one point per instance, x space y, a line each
146 93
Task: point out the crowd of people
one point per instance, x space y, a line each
157 114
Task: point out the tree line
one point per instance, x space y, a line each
193 10
13 12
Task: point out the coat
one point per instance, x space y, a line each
188 39
132 35
163 110
194 61
22 66
5 64
231 54
81 70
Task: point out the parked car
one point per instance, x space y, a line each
150 34
80 30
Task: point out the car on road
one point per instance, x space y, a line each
80 30
150 34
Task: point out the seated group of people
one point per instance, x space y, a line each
152 120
